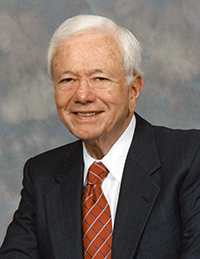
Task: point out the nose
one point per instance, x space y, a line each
84 92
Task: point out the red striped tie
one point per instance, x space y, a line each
97 225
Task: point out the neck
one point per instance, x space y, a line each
96 150
99 147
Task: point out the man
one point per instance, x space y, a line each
150 191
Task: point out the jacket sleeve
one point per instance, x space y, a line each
190 211
21 239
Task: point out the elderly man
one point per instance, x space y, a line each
125 189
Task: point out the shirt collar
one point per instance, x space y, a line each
115 159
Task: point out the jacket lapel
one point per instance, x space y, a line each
63 207
138 192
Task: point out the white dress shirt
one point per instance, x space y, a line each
114 160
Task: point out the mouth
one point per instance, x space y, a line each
86 114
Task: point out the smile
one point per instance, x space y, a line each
87 114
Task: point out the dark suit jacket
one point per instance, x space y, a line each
158 214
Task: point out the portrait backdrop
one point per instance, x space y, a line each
169 33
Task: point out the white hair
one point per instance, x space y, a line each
82 24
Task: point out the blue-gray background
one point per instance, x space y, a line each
169 32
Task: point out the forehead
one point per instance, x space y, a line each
91 44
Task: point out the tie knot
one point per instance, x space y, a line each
96 173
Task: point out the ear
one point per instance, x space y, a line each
135 90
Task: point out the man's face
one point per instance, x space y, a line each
92 98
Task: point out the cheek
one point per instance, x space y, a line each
59 102
61 99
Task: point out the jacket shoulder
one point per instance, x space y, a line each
168 136
188 139
51 161
170 143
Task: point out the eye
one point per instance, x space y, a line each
101 82
66 83
101 79
66 80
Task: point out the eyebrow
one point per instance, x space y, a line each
94 71
97 71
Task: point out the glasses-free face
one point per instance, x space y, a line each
92 97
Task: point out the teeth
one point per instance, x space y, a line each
86 114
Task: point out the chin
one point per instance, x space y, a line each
83 135
87 137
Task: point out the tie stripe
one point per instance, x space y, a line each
97 225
